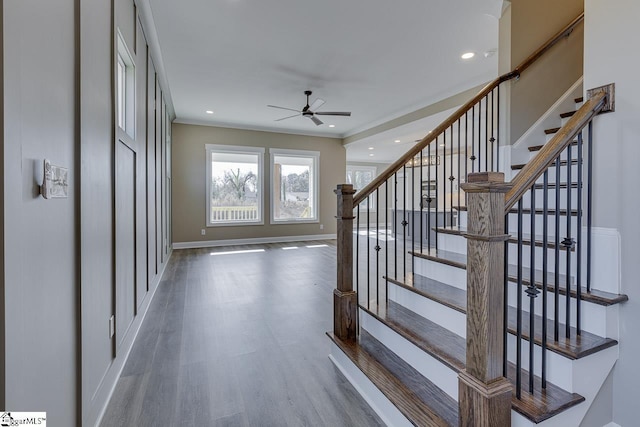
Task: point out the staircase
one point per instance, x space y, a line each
546 333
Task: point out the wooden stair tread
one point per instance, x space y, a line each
539 147
442 344
567 114
551 131
552 186
562 163
450 349
542 404
561 212
574 347
416 397
526 238
460 260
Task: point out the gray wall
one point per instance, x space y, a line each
40 235
532 23
611 34
61 278
188 195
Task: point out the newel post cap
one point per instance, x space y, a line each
486 182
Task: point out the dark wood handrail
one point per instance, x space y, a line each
409 155
552 149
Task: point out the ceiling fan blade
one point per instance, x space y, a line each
283 108
316 120
335 113
288 117
316 104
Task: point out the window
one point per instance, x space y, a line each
234 185
359 177
294 185
125 89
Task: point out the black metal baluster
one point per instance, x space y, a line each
368 255
486 132
589 202
429 199
413 213
506 298
498 132
556 270
466 150
568 245
437 193
493 139
532 291
421 201
404 222
459 171
357 266
444 185
386 241
579 239
377 248
545 245
479 152
473 145
519 307
395 226
451 179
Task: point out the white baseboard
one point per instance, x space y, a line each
252 241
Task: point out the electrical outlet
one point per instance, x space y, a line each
112 326
203 232
321 226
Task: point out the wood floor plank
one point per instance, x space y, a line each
238 340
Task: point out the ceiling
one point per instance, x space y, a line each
375 58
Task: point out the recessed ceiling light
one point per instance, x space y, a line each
396 141
209 112
468 55
370 148
442 145
371 155
332 126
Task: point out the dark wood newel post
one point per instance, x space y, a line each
484 394
344 297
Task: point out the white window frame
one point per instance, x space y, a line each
354 168
125 89
234 149
315 188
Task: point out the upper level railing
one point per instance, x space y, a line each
464 111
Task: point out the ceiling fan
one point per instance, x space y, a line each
311 111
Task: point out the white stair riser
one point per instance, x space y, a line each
552 174
441 272
551 201
594 317
539 224
442 376
559 368
446 317
458 244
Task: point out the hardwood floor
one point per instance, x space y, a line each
238 339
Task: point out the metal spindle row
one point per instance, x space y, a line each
547 241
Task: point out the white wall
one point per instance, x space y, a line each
611 44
